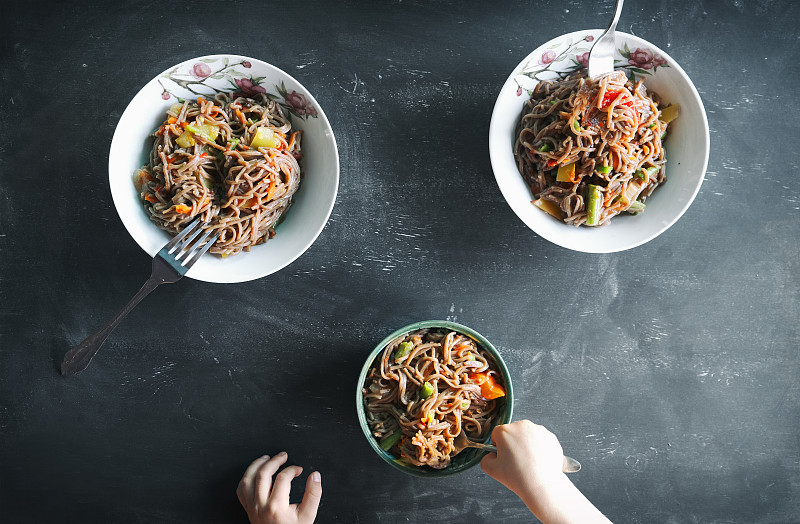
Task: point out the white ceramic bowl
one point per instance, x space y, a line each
687 145
313 202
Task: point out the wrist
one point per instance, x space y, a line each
543 494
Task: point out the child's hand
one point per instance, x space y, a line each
528 462
267 502
528 457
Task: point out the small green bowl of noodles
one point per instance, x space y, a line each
425 383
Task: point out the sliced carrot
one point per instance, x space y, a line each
271 190
489 388
172 120
183 208
151 198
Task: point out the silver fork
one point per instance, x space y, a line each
601 56
169 265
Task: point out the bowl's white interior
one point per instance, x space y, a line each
304 221
686 147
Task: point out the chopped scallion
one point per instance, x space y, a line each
636 207
403 349
426 390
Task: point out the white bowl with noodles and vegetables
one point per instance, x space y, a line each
237 142
421 386
598 165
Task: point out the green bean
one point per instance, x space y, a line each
594 204
391 440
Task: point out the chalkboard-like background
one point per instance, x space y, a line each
671 371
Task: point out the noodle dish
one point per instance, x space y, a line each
234 161
236 142
424 387
598 165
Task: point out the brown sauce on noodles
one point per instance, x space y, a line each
204 163
608 130
426 387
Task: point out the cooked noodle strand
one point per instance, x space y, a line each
608 128
241 191
393 401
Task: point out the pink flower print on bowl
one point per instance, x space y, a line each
246 64
248 88
641 58
547 57
298 103
201 70
165 95
583 59
589 38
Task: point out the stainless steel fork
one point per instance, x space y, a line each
169 265
601 55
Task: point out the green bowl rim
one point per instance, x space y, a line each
425 471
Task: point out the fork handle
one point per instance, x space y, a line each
78 358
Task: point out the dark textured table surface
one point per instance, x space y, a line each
671 370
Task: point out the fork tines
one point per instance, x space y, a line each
186 247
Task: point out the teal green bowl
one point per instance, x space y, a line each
469 457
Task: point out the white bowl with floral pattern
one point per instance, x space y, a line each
206 76
686 146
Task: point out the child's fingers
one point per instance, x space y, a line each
307 510
499 434
488 464
263 477
245 489
283 485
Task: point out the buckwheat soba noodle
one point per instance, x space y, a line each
425 388
231 160
591 149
